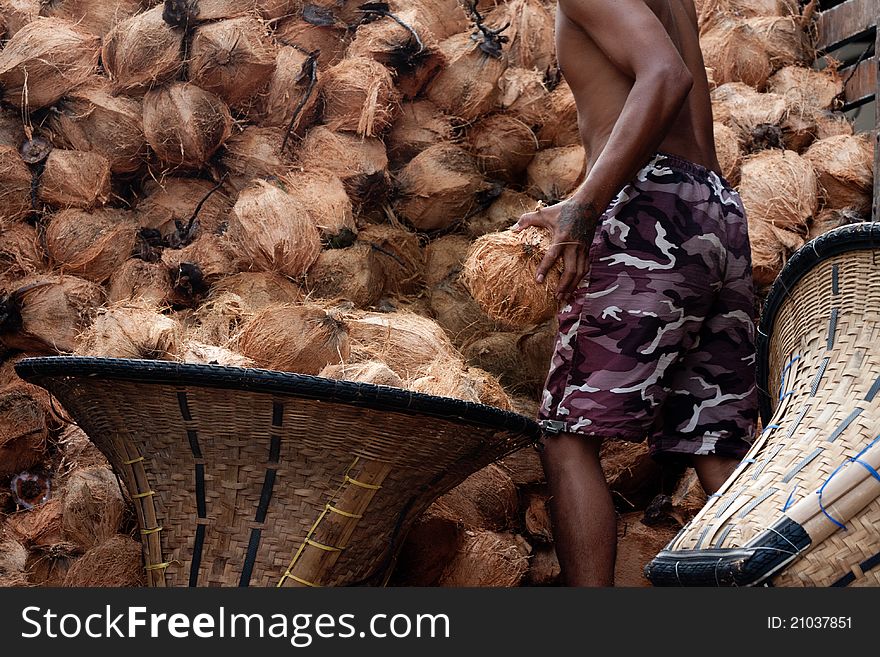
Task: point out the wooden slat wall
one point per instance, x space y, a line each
846 21
876 213
861 84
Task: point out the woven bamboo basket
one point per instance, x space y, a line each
249 477
803 507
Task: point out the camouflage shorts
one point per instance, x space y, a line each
657 341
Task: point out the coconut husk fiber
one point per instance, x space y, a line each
24 429
442 18
132 330
406 342
45 313
439 187
468 86
788 39
90 244
44 60
17 14
352 274
259 289
359 96
806 89
531 30
361 163
177 200
832 124
233 59
94 16
419 125
711 10
488 559
729 152
444 259
780 188
184 124
398 254
537 521
302 339
15 185
91 118
311 32
736 52
449 377
141 52
13 559
322 193
201 353
487 499
523 95
498 353
40 527
412 52
254 152
370 372
845 166
75 179
116 563
536 347
194 268
268 226
457 313
500 274
430 545
560 127
504 211
291 98
828 219
504 146
219 319
555 172
740 107
20 250
11 128
637 545
78 452
771 247
93 507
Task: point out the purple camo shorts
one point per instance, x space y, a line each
658 340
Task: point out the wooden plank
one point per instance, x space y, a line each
861 84
846 21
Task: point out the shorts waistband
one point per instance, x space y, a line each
678 163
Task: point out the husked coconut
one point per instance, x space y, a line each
44 60
273 230
353 274
132 330
468 86
832 124
370 372
523 95
254 152
313 32
207 354
361 163
712 10
322 193
359 96
259 289
419 125
442 18
15 185
829 219
403 44
806 89
11 129
23 429
185 125
728 150
500 274
75 179
142 51
786 39
779 188
137 279
736 52
501 214
94 16
303 339
292 98
45 314
117 562
219 319
770 247
20 251
504 146
172 201
194 268
555 172
92 506
488 559
15 14
845 166
93 244
13 560
232 58
560 127
530 31
91 118
451 378
398 254
439 187
740 107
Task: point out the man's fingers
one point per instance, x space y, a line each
583 254
549 260
569 273
529 219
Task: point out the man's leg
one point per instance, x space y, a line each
584 523
714 470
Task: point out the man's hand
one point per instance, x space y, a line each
572 224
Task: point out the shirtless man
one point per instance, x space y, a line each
656 334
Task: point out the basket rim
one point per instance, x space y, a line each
351 393
844 239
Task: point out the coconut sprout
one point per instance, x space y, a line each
141 52
233 59
15 184
359 96
845 168
504 146
419 125
302 338
132 330
173 204
292 97
91 118
44 60
92 245
75 179
273 230
555 172
185 125
439 187
779 188
500 274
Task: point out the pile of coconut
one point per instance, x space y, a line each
325 187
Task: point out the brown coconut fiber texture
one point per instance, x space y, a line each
15 184
259 289
780 188
806 89
485 500
736 52
331 40
503 145
93 507
219 318
845 165
419 125
370 372
94 16
20 251
138 279
399 256
322 193
132 330
353 274
740 107
555 172
523 95
255 152
488 559
290 99
359 96
78 179
206 354
530 31
504 211
729 152
44 60
560 123
115 563
142 51
93 244
23 429
171 200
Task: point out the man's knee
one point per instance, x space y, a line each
564 448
